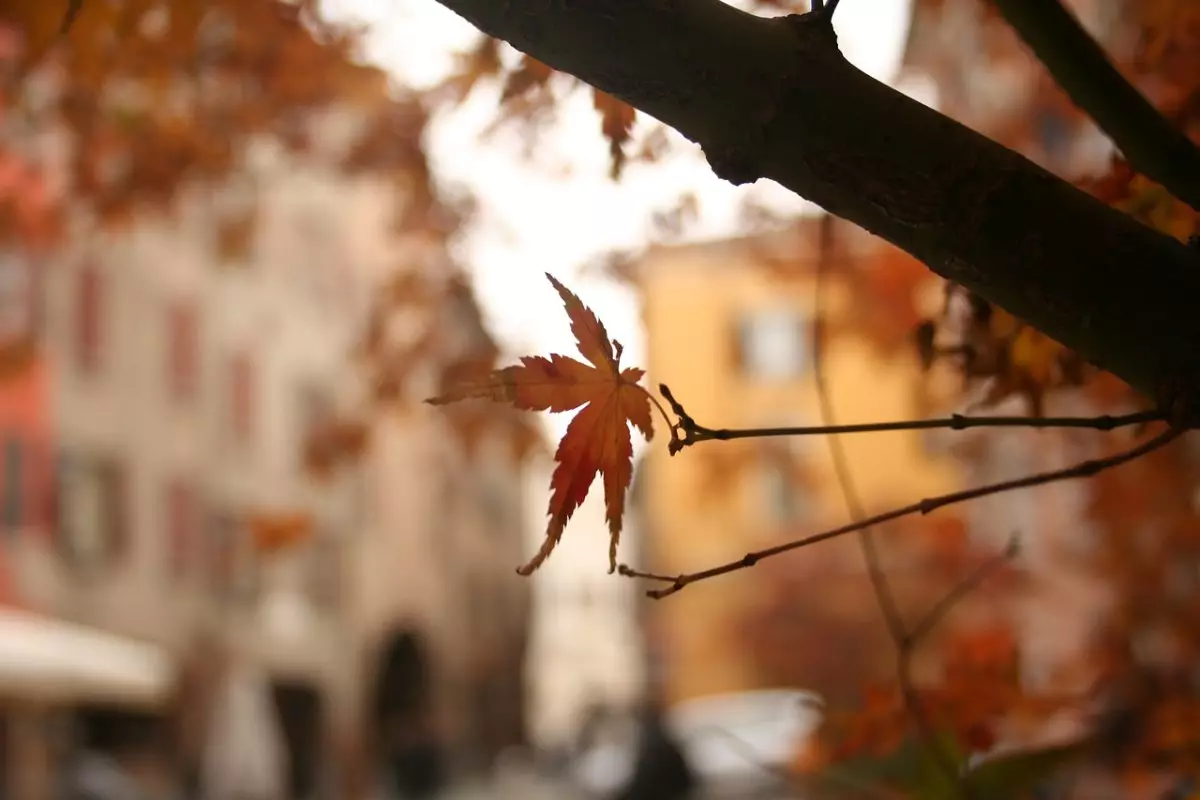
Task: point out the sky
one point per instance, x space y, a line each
560 210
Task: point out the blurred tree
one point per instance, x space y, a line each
155 97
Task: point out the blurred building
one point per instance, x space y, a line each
185 361
729 330
586 661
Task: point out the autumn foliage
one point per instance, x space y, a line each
597 440
157 97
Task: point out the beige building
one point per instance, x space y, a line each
731 334
586 649
185 378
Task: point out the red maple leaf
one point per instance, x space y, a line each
597 440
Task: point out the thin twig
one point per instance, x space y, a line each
884 596
942 607
689 432
1153 146
1082 469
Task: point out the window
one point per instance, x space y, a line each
89 312
91 509
183 351
783 497
181 522
11 515
233 566
241 397
1055 135
18 305
773 345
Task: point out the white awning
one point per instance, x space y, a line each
47 659
733 735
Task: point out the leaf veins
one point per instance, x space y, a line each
597 439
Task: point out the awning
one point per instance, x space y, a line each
47 659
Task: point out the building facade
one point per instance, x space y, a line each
586 657
186 368
731 335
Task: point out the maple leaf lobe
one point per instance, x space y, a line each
597 440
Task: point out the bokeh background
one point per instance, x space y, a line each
241 241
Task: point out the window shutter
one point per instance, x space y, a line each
241 397
89 313
112 478
183 350
56 499
741 337
15 480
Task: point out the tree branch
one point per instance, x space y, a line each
1084 469
1151 144
956 595
687 432
774 98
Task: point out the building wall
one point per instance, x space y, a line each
695 300
415 537
586 643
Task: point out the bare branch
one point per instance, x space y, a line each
1083 469
688 432
1153 146
886 600
969 584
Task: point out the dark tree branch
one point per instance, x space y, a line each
687 431
775 98
1084 469
1151 144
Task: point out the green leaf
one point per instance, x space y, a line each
1007 776
910 769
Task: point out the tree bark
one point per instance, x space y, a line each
774 98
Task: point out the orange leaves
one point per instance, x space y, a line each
273 532
597 440
530 74
525 96
988 343
195 79
333 444
616 121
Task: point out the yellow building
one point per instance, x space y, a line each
730 332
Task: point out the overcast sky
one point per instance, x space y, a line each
561 210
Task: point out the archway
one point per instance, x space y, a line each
400 714
301 718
